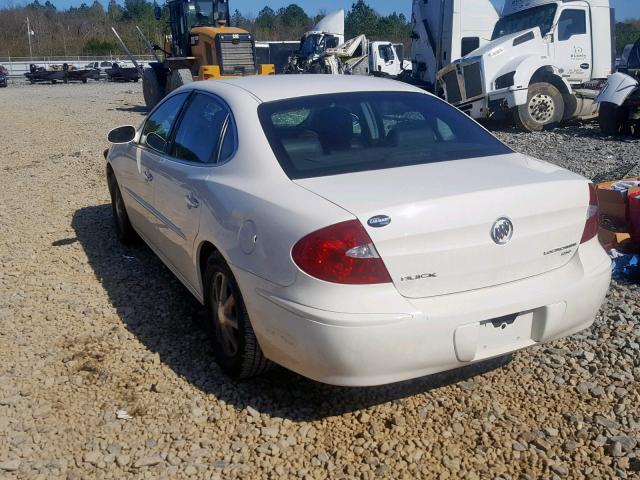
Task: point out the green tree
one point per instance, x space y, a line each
361 19
293 16
266 19
114 11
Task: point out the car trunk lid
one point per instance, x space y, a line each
439 241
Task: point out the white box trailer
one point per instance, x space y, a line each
544 63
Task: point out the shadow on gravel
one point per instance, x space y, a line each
165 317
134 108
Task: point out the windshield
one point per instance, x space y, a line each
206 12
541 16
312 44
332 134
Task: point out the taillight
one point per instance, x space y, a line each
341 253
592 224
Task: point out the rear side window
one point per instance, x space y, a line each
157 129
201 129
572 22
351 132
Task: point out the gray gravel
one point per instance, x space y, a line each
105 373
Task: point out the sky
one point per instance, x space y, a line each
624 8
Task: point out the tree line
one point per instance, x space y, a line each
86 30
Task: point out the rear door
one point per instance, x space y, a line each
572 43
203 138
137 174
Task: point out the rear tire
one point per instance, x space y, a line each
124 231
544 107
151 88
179 78
611 118
235 345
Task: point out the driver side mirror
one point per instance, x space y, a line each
157 12
124 134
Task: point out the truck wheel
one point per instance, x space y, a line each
611 118
235 345
151 88
179 78
544 107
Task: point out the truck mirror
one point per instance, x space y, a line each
157 11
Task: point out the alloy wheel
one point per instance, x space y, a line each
225 314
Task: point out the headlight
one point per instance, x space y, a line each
505 81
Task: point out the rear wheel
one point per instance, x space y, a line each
124 231
151 88
612 118
179 78
235 345
544 107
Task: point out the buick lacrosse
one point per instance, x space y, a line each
355 230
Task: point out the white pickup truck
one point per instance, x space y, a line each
544 64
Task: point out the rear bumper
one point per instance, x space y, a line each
432 334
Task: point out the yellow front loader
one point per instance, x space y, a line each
201 46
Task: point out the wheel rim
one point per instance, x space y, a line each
542 108
225 314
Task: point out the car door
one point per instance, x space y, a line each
138 172
198 144
573 44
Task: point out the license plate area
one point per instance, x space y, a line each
494 337
504 334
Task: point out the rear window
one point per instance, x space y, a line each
324 135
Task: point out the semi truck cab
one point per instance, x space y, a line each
540 65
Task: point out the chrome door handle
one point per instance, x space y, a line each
192 202
147 176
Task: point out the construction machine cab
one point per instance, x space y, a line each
186 15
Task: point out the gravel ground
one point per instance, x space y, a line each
89 328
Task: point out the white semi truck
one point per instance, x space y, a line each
446 30
544 64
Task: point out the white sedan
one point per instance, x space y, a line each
355 230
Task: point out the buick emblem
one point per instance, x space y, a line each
502 231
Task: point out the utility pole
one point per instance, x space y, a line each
29 33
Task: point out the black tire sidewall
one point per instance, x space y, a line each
122 224
523 117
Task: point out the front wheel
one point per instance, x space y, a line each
544 107
235 345
124 231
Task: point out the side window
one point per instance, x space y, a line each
572 22
199 133
386 53
468 45
157 129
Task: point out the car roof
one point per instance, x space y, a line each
268 88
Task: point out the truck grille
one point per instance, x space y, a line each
452 86
237 54
472 80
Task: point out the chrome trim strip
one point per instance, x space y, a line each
164 220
